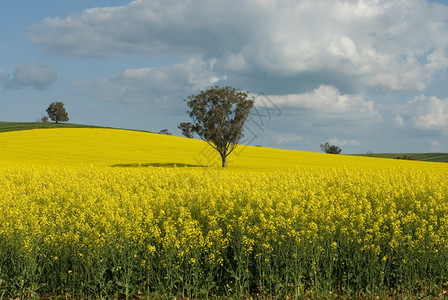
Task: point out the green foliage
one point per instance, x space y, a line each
331 149
57 112
165 131
405 157
218 116
187 129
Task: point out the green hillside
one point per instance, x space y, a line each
15 126
434 157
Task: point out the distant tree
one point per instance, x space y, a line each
332 149
187 129
165 131
405 157
44 119
218 116
57 113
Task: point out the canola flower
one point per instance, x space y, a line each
205 232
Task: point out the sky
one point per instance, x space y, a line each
367 75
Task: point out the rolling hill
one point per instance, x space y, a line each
434 156
78 145
17 126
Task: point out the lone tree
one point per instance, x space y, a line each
187 129
218 117
332 149
57 113
165 131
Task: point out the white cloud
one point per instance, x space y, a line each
149 27
425 112
374 45
326 102
436 146
157 85
399 121
343 142
34 74
304 120
286 139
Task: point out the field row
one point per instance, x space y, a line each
202 232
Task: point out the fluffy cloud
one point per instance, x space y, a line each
157 86
427 113
399 121
303 121
286 139
326 102
374 45
32 74
436 146
341 143
148 27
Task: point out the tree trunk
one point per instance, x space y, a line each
223 158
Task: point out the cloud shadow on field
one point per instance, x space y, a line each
162 165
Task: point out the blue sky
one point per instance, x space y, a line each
369 76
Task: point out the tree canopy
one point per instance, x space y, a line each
332 149
218 116
57 113
187 129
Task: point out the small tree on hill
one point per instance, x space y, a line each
332 149
187 129
218 117
57 113
165 131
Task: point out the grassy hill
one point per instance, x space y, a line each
433 157
57 145
16 126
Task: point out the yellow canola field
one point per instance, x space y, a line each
276 223
109 147
93 231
